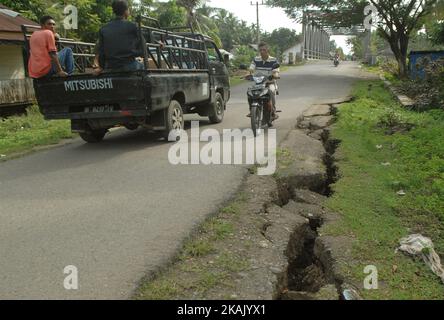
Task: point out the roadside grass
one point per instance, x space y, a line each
22 133
287 67
374 166
371 69
204 263
284 158
392 78
236 80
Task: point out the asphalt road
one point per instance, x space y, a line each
119 210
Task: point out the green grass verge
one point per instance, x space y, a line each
22 133
374 167
236 80
287 67
387 75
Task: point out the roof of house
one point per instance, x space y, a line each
10 24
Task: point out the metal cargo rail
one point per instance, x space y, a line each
84 52
177 52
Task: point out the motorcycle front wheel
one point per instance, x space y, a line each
267 117
256 119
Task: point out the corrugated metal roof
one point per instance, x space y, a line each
10 26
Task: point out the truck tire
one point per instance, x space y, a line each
217 109
132 126
174 119
93 136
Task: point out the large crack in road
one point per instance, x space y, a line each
119 210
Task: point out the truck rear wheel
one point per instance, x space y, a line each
132 126
93 136
217 109
174 120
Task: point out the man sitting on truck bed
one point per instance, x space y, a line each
119 42
44 60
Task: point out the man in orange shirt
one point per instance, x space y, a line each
44 61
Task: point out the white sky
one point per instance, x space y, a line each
270 18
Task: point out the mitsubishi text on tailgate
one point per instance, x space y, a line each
186 74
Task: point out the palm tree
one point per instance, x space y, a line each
204 16
190 6
199 17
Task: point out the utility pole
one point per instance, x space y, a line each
304 36
257 4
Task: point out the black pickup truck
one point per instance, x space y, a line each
186 73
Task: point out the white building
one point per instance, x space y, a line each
293 54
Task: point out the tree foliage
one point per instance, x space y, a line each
31 9
435 25
233 32
398 19
228 31
281 39
337 13
92 14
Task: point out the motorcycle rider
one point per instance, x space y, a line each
267 63
337 57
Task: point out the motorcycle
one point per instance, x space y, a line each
259 97
336 62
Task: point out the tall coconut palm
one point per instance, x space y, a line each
190 6
199 18
204 16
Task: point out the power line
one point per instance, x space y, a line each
257 4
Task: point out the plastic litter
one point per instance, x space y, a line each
418 245
350 295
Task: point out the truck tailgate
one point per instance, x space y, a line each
86 96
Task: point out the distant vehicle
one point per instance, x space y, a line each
186 75
336 61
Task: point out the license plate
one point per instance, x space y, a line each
99 109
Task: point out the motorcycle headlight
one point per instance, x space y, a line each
254 93
259 80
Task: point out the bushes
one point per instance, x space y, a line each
244 55
389 66
428 92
